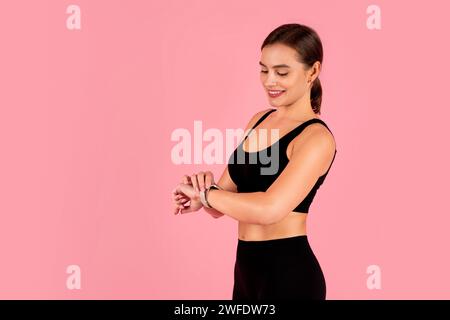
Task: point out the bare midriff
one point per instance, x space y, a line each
294 224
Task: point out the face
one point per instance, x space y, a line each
284 78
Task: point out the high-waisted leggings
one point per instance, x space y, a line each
283 268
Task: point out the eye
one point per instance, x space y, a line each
280 74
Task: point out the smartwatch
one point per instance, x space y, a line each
203 195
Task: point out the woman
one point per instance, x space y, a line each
274 259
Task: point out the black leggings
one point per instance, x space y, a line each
283 268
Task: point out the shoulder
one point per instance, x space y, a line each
315 133
317 142
256 117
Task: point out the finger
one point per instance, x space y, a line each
185 210
178 204
177 192
201 180
179 188
177 196
194 182
209 178
182 201
180 193
188 190
186 179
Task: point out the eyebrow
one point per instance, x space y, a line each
276 66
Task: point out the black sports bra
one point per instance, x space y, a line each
256 171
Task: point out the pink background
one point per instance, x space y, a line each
86 120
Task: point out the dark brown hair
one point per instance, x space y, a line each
306 42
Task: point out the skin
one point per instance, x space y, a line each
268 215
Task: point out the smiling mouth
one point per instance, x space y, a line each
275 93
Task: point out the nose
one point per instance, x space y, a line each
270 81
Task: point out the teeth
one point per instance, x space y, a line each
275 92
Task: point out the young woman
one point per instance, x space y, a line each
274 259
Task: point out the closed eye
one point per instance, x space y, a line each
280 74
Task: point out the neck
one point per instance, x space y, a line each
300 110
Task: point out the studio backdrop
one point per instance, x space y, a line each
99 97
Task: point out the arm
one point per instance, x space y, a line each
246 207
225 181
227 184
306 165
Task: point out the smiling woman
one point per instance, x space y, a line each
274 258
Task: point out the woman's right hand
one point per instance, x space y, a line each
200 181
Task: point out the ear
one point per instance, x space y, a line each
315 70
